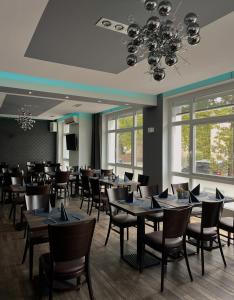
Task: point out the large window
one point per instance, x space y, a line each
202 138
125 142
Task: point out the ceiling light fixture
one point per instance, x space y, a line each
67 97
112 25
119 27
106 23
30 92
160 37
24 119
99 101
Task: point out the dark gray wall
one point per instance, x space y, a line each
153 143
18 146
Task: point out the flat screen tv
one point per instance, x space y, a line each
71 142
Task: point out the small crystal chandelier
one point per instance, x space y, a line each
24 119
160 38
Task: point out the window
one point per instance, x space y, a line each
202 139
125 142
66 129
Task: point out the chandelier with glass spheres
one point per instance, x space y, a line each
24 119
160 39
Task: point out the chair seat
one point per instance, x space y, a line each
155 238
124 220
71 268
227 224
194 230
157 217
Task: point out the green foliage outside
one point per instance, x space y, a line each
213 142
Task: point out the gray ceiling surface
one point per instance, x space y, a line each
37 106
67 34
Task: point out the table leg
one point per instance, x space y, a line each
140 241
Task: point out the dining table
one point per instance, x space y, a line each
108 182
140 208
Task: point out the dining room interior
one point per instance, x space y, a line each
117 149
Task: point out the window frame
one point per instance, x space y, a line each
193 122
115 116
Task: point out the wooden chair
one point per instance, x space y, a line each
208 229
85 191
61 183
172 238
149 191
98 197
227 224
69 254
17 198
119 220
34 238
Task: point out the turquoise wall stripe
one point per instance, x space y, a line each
80 115
107 111
70 85
199 84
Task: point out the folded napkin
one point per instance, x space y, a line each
63 216
126 178
155 203
192 198
164 194
196 190
219 195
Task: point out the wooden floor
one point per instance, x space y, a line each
112 278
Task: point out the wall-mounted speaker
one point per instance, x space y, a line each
53 127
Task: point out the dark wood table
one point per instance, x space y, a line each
139 208
16 190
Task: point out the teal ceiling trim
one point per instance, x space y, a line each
107 111
70 85
80 115
200 84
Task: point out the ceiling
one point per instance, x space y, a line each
54 49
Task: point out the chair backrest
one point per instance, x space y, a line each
62 177
39 168
143 179
16 180
95 186
30 169
7 179
37 190
147 191
37 202
86 172
71 241
106 172
175 221
85 183
115 194
129 175
211 213
175 186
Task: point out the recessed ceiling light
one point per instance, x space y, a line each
67 97
30 92
119 27
99 101
106 23
126 104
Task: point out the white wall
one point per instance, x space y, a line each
85 140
